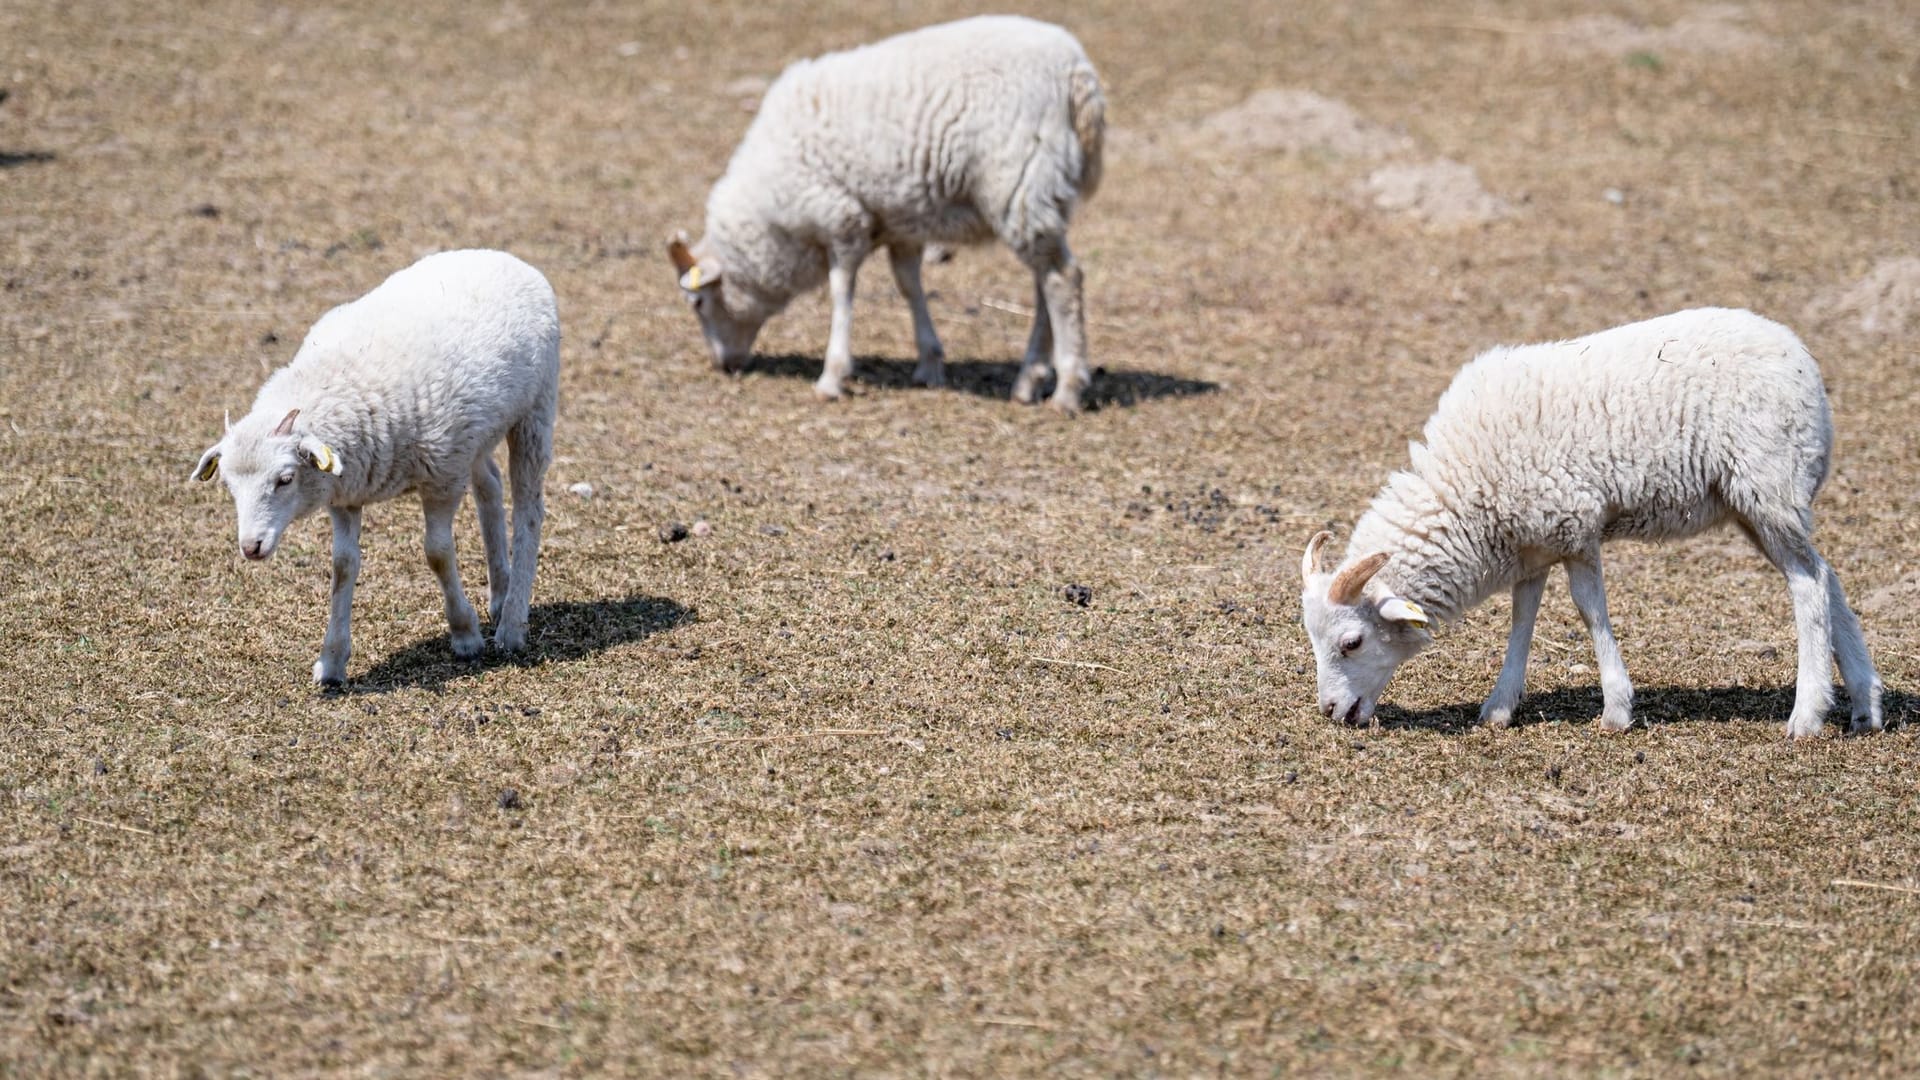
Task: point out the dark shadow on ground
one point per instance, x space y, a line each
555 633
1651 705
990 379
11 158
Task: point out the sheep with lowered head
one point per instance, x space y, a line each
953 134
1538 453
410 388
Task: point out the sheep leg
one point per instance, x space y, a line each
842 267
1856 667
1498 710
1033 368
1590 596
932 368
489 503
462 624
331 668
1066 311
1809 581
529 452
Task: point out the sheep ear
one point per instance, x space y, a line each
209 466
681 255
1400 610
701 276
320 455
286 423
1348 583
1315 560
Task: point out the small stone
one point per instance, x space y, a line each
1615 196
673 532
582 489
1079 594
509 799
772 530
701 528
205 210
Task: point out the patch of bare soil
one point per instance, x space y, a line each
1884 303
1443 194
1292 121
1716 28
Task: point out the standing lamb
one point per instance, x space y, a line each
409 388
953 134
1538 453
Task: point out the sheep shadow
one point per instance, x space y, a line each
556 632
10 159
991 379
1651 705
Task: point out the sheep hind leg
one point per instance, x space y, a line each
932 367
490 504
331 668
1061 287
1809 580
1498 710
1589 589
1033 367
463 625
529 452
1864 688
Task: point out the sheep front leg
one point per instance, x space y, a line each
1590 596
1498 710
462 624
932 368
842 268
331 668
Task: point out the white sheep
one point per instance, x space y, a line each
953 134
409 388
1538 453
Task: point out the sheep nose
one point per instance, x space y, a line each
1353 711
251 549
1326 709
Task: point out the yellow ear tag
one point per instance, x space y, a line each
693 278
1419 616
325 461
209 470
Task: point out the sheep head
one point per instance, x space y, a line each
276 476
729 333
1361 632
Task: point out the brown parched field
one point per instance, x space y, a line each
845 782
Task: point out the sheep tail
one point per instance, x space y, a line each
1089 107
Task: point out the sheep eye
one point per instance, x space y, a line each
283 480
1349 643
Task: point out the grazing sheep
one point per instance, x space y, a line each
409 388
1538 453
953 134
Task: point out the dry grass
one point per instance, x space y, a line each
1079 840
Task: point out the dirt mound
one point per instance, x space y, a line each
1718 28
1442 194
1298 122
1885 302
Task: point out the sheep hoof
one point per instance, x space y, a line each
1025 390
1804 727
931 373
329 678
468 645
510 640
1616 720
827 391
1065 404
1496 718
